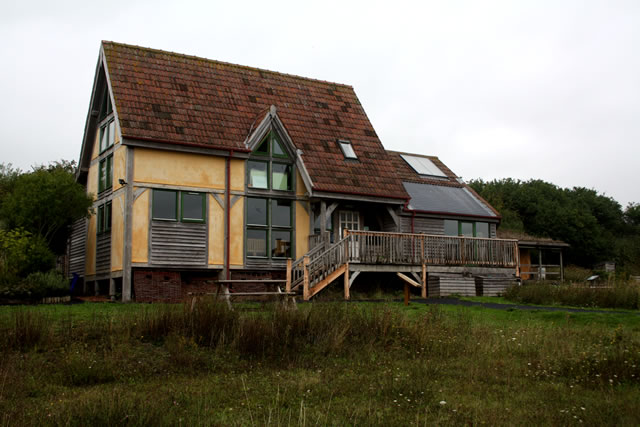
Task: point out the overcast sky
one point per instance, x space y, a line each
546 90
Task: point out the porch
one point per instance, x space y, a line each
416 254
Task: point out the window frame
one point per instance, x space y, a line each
270 158
104 218
347 155
107 174
474 228
269 227
181 207
179 214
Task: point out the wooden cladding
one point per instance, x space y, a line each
176 243
77 247
103 253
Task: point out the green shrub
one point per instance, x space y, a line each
22 253
35 286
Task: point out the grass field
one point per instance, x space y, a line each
326 364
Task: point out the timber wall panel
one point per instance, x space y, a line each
77 247
103 253
440 286
177 243
493 286
423 225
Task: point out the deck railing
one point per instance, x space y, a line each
371 247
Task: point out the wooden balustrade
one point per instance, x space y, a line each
372 247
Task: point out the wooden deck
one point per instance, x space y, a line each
399 252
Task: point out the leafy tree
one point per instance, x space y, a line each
45 202
593 224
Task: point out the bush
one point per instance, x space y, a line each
22 253
34 286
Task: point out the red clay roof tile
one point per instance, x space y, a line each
183 99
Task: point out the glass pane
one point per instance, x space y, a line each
109 177
450 227
193 206
277 148
104 135
328 226
112 133
103 175
466 229
263 148
281 213
100 219
281 174
257 243
257 174
280 244
347 149
107 216
482 229
164 204
257 211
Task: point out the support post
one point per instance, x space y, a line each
424 280
305 283
561 267
127 278
112 289
517 249
347 296
406 294
539 264
288 284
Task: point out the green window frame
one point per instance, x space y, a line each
180 211
186 197
270 167
105 174
104 218
268 229
476 227
107 135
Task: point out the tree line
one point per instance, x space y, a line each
596 226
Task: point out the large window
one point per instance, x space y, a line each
269 216
270 167
105 178
107 135
466 228
171 205
269 231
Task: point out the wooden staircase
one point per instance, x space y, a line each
319 267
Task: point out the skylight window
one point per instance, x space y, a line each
347 150
423 166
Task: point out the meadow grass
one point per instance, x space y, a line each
326 363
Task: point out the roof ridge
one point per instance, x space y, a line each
215 61
413 154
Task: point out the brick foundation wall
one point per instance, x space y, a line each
157 286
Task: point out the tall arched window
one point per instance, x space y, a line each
270 201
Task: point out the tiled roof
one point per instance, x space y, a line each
178 99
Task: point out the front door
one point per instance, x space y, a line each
350 220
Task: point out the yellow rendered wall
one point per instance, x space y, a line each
119 166
216 232
236 245
302 229
140 228
117 232
179 169
237 175
90 254
92 181
301 190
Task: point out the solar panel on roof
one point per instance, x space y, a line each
422 165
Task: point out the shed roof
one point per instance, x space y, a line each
178 99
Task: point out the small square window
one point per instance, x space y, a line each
193 207
347 150
165 205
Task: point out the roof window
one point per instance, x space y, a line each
347 149
423 165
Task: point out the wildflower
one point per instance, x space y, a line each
442 402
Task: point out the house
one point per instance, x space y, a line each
540 258
206 172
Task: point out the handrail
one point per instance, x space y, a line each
328 261
297 268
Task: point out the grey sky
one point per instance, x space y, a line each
547 90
